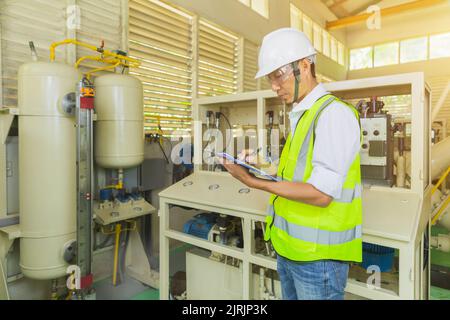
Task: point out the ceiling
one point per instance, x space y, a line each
346 8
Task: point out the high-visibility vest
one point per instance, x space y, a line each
303 232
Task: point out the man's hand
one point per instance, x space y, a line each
249 156
238 172
258 160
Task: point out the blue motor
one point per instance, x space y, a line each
381 256
200 225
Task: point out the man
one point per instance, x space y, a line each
315 213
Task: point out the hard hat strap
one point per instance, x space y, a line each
297 79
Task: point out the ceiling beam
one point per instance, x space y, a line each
420 4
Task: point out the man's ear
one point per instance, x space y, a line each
305 66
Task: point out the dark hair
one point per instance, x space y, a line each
313 70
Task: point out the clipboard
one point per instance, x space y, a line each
251 168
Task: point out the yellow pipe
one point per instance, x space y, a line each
88 74
116 252
91 47
441 179
95 58
441 210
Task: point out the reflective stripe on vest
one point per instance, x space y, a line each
317 235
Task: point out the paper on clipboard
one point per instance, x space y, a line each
246 165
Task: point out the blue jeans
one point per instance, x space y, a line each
316 280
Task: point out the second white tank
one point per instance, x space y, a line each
119 129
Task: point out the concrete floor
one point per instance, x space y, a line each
129 289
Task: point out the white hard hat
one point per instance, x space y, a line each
282 47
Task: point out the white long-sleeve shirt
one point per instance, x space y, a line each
337 141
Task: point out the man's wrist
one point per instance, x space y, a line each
255 183
250 181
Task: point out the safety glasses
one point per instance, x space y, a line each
280 75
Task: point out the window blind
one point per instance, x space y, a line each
161 37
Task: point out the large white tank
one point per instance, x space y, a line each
440 158
47 166
119 129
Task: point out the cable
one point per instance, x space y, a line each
170 142
164 153
104 242
226 119
231 130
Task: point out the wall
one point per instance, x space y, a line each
431 68
248 23
253 26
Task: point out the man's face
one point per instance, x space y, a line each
282 81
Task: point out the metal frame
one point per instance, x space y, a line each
248 215
85 169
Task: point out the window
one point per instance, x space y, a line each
307 27
296 18
341 54
440 46
361 58
334 49
317 37
44 22
413 50
404 51
250 66
100 21
386 54
262 7
326 43
259 6
217 65
160 36
321 39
